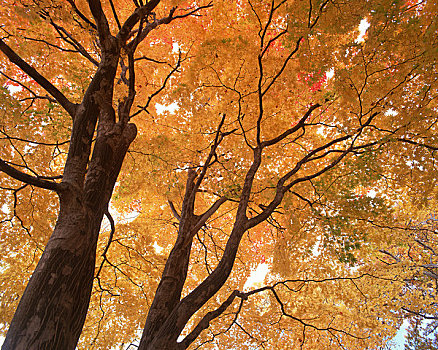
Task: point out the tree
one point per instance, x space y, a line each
416 339
267 155
414 261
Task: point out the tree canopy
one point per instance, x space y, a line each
248 174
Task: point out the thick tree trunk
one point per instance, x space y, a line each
52 310
168 293
169 329
168 314
53 307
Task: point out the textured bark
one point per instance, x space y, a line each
169 329
53 307
168 292
52 310
168 314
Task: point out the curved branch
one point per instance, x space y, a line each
174 211
42 81
204 217
139 13
26 178
81 15
297 126
210 316
110 240
67 37
161 88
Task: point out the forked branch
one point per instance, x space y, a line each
42 81
212 315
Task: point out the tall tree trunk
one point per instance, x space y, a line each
168 293
52 310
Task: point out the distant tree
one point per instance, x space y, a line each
418 338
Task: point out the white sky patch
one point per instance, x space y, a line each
363 26
320 131
163 108
158 249
175 47
330 73
397 343
5 209
371 194
315 250
391 112
126 219
257 276
13 89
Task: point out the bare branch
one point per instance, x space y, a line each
81 15
126 104
139 13
389 254
210 316
7 137
283 67
297 126
174 211
113 9
42 81
432 148
110 240
162 87
103 28
35 96
218 138
204 217
426 317
26 178
194 11
67 37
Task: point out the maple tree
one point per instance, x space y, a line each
296 147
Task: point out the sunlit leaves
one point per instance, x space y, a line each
262 65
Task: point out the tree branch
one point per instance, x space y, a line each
297 126
42 81
26 178
205 321
420 314
103 29
139 13
432 148
161 88
174 211
210 316
110 240
81 15
67 37
204 217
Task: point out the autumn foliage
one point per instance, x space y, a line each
217 175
